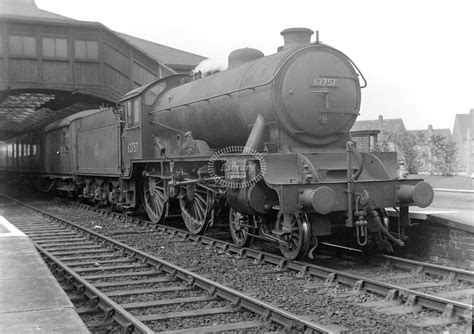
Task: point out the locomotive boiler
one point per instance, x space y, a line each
264 144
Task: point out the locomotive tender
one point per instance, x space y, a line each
264 144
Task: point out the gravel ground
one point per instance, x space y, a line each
377 270
306 296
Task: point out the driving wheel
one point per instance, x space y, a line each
296 234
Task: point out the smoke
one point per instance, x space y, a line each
208 67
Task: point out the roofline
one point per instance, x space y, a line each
34 20
434 129
18 19
194 54
69 119
139 90
361 132
141 50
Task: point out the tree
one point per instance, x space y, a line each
404 143
443 155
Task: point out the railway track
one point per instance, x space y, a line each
391 296
120 280
448 273
398 262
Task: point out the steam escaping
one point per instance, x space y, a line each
208 67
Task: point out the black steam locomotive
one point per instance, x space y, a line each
264 143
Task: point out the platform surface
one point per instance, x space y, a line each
450 208
31 300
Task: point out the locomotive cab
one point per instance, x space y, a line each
138 141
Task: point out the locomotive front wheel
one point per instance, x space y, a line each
298 236
239 226
154 199
195 202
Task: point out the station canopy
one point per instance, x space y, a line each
52 66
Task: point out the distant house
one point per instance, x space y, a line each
426 134
463 135
369 133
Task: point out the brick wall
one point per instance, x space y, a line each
363 143
447 244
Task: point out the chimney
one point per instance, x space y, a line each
471 114
380 119
295 36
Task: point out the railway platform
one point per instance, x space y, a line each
451 207
31 300
444 230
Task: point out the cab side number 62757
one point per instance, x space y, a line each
132 147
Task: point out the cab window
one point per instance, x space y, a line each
153 92
128 112
132 112
136 111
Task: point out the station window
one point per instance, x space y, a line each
34 149
1 46
55 47
22 46
86 50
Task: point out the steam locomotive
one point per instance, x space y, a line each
264 144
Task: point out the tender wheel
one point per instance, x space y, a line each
195 202
239 225
154 199
299 238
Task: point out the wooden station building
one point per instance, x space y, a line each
52 66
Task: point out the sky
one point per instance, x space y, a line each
417 56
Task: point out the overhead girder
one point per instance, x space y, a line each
25 110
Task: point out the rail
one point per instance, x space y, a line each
407 296
237 299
